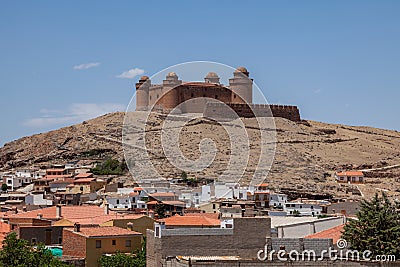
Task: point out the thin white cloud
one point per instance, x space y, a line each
86 66
317 91
130 74
75 113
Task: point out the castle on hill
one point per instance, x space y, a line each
209 97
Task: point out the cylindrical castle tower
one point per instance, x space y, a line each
170 98
211 77
142 93
242 86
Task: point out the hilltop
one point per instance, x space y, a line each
306 156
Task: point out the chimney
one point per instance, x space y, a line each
58 211
106 209
77 227
39 216
129 226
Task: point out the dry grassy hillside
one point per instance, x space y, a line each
306 154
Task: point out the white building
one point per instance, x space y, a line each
277 200
230 191
349 177
13 182
125 201
205 193
302 209
37 199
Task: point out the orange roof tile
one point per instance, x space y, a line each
67 212
84 180
189 220
335 233
263 184
84 175
350 173
97 220
105 231
210 215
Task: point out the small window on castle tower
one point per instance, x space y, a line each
216 96
191 95
234 96
150 97
157 96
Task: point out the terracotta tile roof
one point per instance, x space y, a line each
84 180
67 212
335 233
138 188
96 220
210 215
84 175
350 173
189 220
263 184
105 231
132 194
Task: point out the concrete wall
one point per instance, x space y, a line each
307 228
253 263
245 239
49 235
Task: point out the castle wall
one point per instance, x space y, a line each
219 110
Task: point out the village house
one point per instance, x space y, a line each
90 243
302 209
125 201
85 185
277 200
350 177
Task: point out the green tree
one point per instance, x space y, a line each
160 210
377 227
19 253
4 187
137 259
184 177
110 166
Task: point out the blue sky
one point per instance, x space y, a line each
339 61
